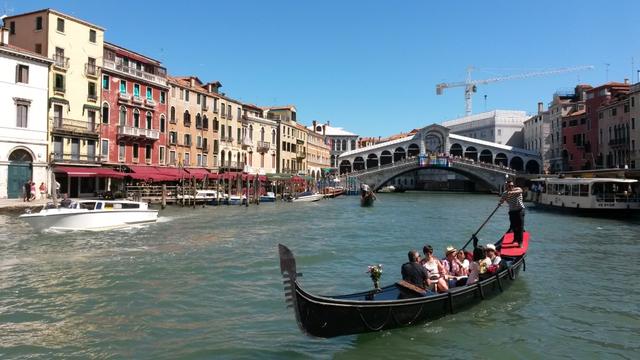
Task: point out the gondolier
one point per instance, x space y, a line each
513 197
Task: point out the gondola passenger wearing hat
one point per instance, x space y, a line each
513 197
492 254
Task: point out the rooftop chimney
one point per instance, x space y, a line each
324 130
314 125
626 81
192 81
540 107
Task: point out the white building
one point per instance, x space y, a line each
498 126
537 135
338 139
23 124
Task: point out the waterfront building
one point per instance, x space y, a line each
76 48
537 135
563 103
260 140
574 141
596 98
498 126
338 139
318 153
133 129
291 138
23 98
614 133
634 132
194 130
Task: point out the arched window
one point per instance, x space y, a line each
205 122
136 118
222 158
273 136
198 121
21 156
261 134
149 120
251 132
105 113
216 125
123 116
162 124
187 118
344 144
172 116
353 144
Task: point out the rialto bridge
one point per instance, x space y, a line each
434 147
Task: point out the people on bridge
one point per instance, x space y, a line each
513 197
413 271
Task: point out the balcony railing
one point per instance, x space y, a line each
232 165
137 100
92 97
227 139
263 146
246 142
60 62
150 102
137 132
124 96
90 70
229 116
301 154
74 158
76 126
110 64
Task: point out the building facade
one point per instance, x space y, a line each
614 134
634 132
23 136
76 48
338 139
261 138
563 103
133 129
537 135
498 126
318 153
291 139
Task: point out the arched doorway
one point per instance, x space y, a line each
516 163
399 154
471 153
385 157
413 150
20 170
358 164
501 159
532 167
345 167
372 161
486 156
456 150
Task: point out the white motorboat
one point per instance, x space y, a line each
91 215
268 197
201 196
307 197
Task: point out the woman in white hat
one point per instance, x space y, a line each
492 254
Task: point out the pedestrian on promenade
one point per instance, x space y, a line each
513 197
43 191
57 189
27 191
33 190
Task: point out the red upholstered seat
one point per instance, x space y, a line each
510 248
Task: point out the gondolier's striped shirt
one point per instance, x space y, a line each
515 201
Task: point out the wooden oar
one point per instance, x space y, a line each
481 226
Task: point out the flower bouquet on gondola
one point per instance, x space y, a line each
375 271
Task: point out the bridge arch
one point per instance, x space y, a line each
413 150
345 166
516 163
501 159
386 158
399 154
358 163
532 167
456 150
471 153
372 161
486 156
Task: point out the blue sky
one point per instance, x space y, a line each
372 66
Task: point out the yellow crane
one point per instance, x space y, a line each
471 86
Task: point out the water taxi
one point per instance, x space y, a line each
91 215
597 195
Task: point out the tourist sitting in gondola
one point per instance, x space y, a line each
475 265
456 275
492 254
413 272
435 269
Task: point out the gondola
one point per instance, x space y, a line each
393 306
367 199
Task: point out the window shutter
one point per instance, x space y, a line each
17 73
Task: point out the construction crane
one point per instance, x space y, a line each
471 86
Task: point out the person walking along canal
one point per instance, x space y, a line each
513 197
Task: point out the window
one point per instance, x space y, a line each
222 107
22 74
204 160
147 152
105 113
59 83
229 110
136 118
135 152
198 99
149 93
123 116
136 90
633 123
198 141
91 118
39 23
92 36
121 151
91 90
161 154
105 82
187 159
187 140
186 118
22 115
172 115
163 98
198 159
123 87
104 149
38 48
172 157
162 124
186 95
60 26
149 120
173 137
12 28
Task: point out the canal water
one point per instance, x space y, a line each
205 283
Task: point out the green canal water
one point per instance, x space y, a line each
204 283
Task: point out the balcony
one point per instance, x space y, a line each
263 147
71 126
246 142
156 79
90 70
205 107
223 115
124 96
74 158
135 132
228 139
137 100
92 97
150 103
229 116
232 165
60 62
301 154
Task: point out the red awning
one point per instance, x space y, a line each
198 173
73 171
151 173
